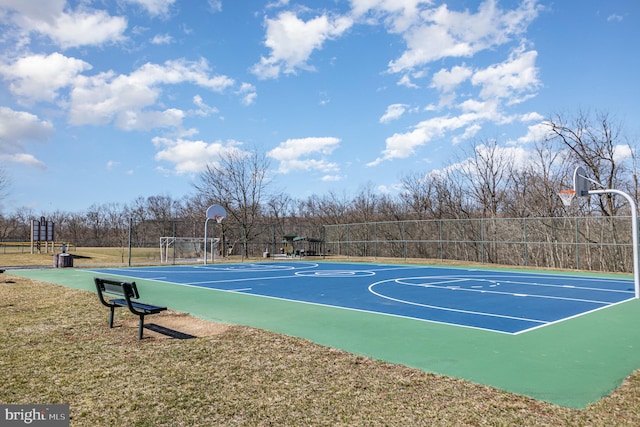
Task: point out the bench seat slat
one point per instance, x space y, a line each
147 308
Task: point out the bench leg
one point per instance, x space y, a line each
111 317
140 326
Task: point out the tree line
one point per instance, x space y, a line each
487 179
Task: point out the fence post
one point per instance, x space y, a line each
440 243
375 240
273 239
130 227
348 241
524 237
575 226
404 240
481 239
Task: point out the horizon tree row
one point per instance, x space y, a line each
485 179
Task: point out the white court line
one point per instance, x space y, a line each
483 291
455 310
249 279
549 285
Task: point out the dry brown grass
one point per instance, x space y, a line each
56 348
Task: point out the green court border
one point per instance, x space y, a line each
571 363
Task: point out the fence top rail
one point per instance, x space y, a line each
532 218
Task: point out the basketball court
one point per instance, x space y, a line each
506 302
564 338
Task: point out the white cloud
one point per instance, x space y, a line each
615 18
447 80
292 41
189 156
394 112
407 82
16 127
277 4
531 117
23 159
443 33
399 15
129 101
215 6
147 120
248 93
162 39
468 133
102 98
84 28
403 145
302 153
514 80
154 7
332 178
66 28
19 126
39 77
622 152
203 110
112 164
518 158
34 9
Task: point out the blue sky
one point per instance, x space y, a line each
107 101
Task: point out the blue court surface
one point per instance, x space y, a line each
501 301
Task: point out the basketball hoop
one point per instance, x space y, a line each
567 196
218 213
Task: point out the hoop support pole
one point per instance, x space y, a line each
634 233
205 240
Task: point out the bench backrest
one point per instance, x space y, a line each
117 287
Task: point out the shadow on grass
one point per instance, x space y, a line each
172 333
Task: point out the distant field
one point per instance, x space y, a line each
83 256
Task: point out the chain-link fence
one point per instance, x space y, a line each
587 243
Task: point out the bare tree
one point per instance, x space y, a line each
365 205
534 186
594 141
418 194
238 182
487 170
332 208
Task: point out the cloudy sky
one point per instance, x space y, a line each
103 101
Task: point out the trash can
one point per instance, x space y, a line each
65 260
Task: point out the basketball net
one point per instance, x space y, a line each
218 218
567 196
